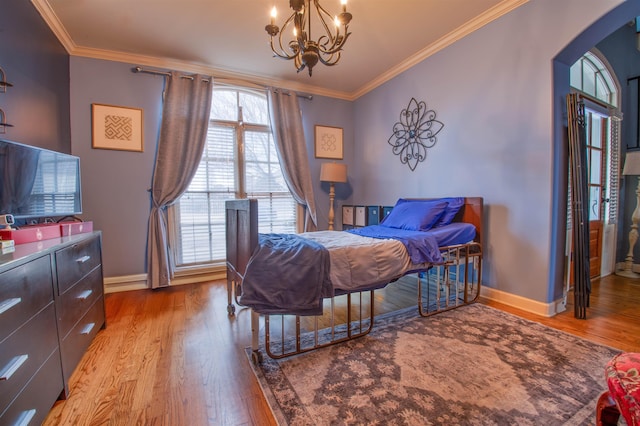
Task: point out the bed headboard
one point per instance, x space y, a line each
471 213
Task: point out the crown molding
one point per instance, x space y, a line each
54 23
196 68
51 19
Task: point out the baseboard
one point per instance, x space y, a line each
533 306
634 267
125 283
140 281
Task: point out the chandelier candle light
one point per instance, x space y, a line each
332 172
298 44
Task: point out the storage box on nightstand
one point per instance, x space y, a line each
373 215
360 216
347 217
385 211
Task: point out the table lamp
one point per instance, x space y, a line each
332 173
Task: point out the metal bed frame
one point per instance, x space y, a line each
443 287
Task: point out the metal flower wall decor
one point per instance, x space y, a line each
415 133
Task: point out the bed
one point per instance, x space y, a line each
435 241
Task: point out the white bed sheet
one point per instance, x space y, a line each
359 263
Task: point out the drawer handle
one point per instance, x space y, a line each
8 304
85 295
15 363
83 259
25 417
87 328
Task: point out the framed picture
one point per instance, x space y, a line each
328 142
115 127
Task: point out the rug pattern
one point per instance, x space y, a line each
471 366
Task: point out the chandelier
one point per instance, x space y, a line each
298 44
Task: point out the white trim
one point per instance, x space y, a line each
205 276
529 305
125 283
140 281
634 267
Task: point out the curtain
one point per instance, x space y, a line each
286 126
580 203
183 134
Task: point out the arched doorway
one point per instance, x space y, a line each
616 18
594 80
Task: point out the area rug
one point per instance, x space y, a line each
474 365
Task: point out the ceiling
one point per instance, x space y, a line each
226 38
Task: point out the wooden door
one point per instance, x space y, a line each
596 132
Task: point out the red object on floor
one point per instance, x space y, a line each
623 380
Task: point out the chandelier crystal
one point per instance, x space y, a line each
294 40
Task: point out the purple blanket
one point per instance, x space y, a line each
287 274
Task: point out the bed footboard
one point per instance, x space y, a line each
242 238
345 317
457 282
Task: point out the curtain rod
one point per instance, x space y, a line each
287 93
168 74
165 73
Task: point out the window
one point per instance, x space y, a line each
590 75
239 160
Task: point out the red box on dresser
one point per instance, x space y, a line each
31 233
73 228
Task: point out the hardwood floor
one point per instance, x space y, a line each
174 357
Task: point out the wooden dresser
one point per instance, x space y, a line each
51 308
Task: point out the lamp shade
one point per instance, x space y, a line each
632 164
333 172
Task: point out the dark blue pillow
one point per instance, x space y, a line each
415 215
454 205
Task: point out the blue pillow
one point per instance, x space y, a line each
415 215
453 207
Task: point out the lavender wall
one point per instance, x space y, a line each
325 111
494 91
115 183
38 67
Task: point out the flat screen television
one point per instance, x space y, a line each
37 183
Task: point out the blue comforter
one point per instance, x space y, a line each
421 246
287 274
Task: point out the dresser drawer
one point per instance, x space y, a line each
75 261
24 290
32 405
79 338
76 302
24 352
